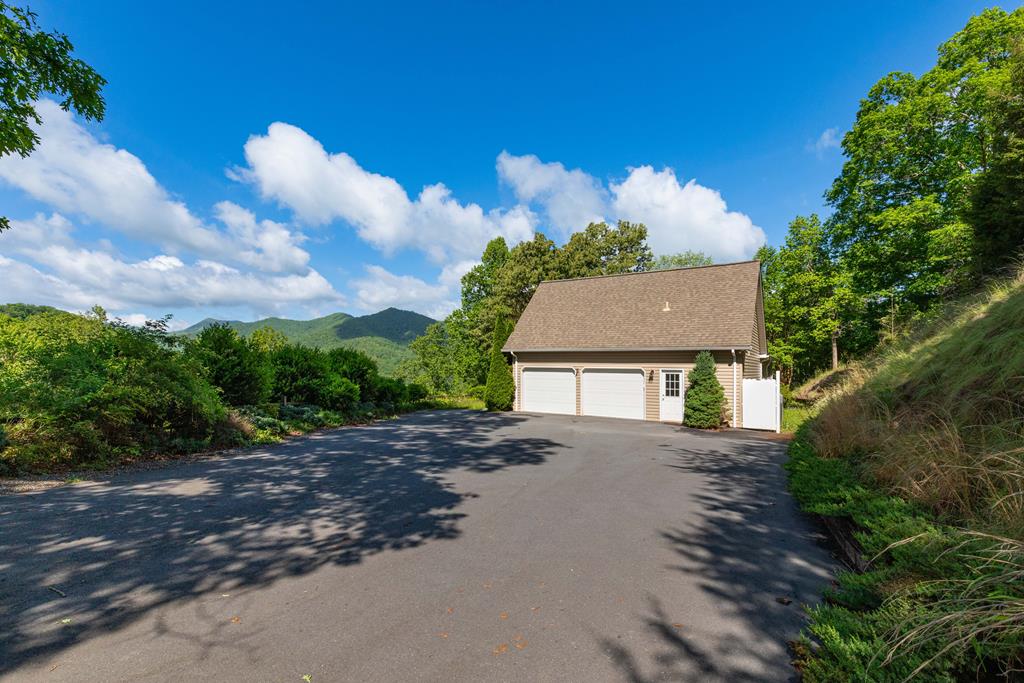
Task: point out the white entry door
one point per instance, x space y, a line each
549 390
671 395
613 393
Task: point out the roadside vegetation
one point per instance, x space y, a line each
920 454
902 315
80 391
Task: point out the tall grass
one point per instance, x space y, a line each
938 417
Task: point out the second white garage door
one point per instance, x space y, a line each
613 393
549 390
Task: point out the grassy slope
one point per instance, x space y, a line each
384 336
925 441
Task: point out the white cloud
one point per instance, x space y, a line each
829 139
77 174
680 217
571 199
74 172
291 167
272 246
59 272
379 288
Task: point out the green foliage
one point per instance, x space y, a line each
33 63
500 390
75 389
808 300
303 374
920 451
84 391
684 259
705 398
234 365
997 202
878 625
912 159
22 311
928 200
603 250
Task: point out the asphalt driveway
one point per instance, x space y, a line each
447 546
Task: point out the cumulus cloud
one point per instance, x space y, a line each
678 216
74 172
380 288
571 199
291 167
60 272
77 174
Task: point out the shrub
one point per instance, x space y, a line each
304 375
359 369
477 392
500 390
81 389
705 398
233 365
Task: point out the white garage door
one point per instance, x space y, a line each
549 390
613 393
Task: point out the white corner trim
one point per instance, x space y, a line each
734 408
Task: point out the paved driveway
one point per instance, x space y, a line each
447 546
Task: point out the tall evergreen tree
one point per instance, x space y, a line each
705 398
500 385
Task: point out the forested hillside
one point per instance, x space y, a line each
384 336
927 207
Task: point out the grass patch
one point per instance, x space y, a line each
794 416
453 403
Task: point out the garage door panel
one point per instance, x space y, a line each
613 393
549 390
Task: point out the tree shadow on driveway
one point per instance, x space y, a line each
120 549
753 557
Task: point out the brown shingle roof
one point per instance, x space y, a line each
710 307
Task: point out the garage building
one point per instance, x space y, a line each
622 345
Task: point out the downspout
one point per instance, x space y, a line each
515 380
733 387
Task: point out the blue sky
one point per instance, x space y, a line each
296 160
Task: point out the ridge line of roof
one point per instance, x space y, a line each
647 272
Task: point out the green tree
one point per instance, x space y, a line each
997 202
602 250
480 283
912 157
303 374
233 365
683 259
33 63
705 398
500 390
529 264
267 340
809 301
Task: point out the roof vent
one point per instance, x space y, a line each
666 308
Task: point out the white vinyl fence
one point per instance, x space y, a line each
762 404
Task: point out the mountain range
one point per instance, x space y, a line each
384 336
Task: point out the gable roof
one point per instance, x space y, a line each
710 307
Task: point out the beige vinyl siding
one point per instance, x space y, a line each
751 359
651 362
